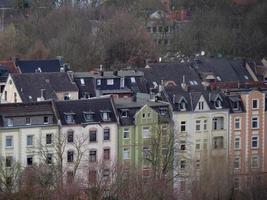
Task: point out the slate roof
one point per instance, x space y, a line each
7 3
133 107
87 88
93 105
29 85
47 65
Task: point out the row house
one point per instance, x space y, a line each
247 137
143 126
89 128
32 87
200 131
28 133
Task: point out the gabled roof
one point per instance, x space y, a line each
133 107
29 85
47 65
79 107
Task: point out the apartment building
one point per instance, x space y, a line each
28 133
89 130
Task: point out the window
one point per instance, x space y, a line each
163 111
255 122
49 158
92 136
106 154
82 81
46 120
98 81
69 118
218 123
182 164
197 164
126 153
70 136
146 132
49 138
145 152
28 121
126 133
110 82
198 123
88 116
133 80
106 134
9 122
255 142
29 160
183 126
236 105
255 162
182 106
201 105
66 96
237 162
237 123
105 116
255 104
124 113
237 142
164 130
92 156
182 145
218 142
15 97
218 103
9 160
70 156
106 173
9 141
198 144
29 140
5 95
205 125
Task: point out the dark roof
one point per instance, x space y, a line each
86 88
7 3
171 72
133 107
30 66
29 85
9 65
79 107
226 70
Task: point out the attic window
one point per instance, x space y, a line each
110 82
66 96
182 106
163 111
236 105
105 115
69 118
133 80
82 81
218 103
124 113
88 116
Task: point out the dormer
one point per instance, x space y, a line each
105 115
69 118
182 104
235 102
124 113
218 102
163 110
88 116
202 104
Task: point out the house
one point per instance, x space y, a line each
143 126
200 130
89 129
28 133
31 87
247 131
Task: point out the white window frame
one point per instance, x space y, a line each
126 130
237 142
12 141
126 154
201 105
110 81
198 144
254 136
252 120
30 145
205 125
146 132
198 125
10 122
254 108
237 120
257 160
98 81
183 124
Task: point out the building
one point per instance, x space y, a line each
247 132
31 87
144 127
89 128
28 133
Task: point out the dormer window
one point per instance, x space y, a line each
110 82
124 113
88 116
82 81
105 115
9 122
236 105
201 105
66 96
133 80
218 103
182 106
28 121
163 111
98 81
69 117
